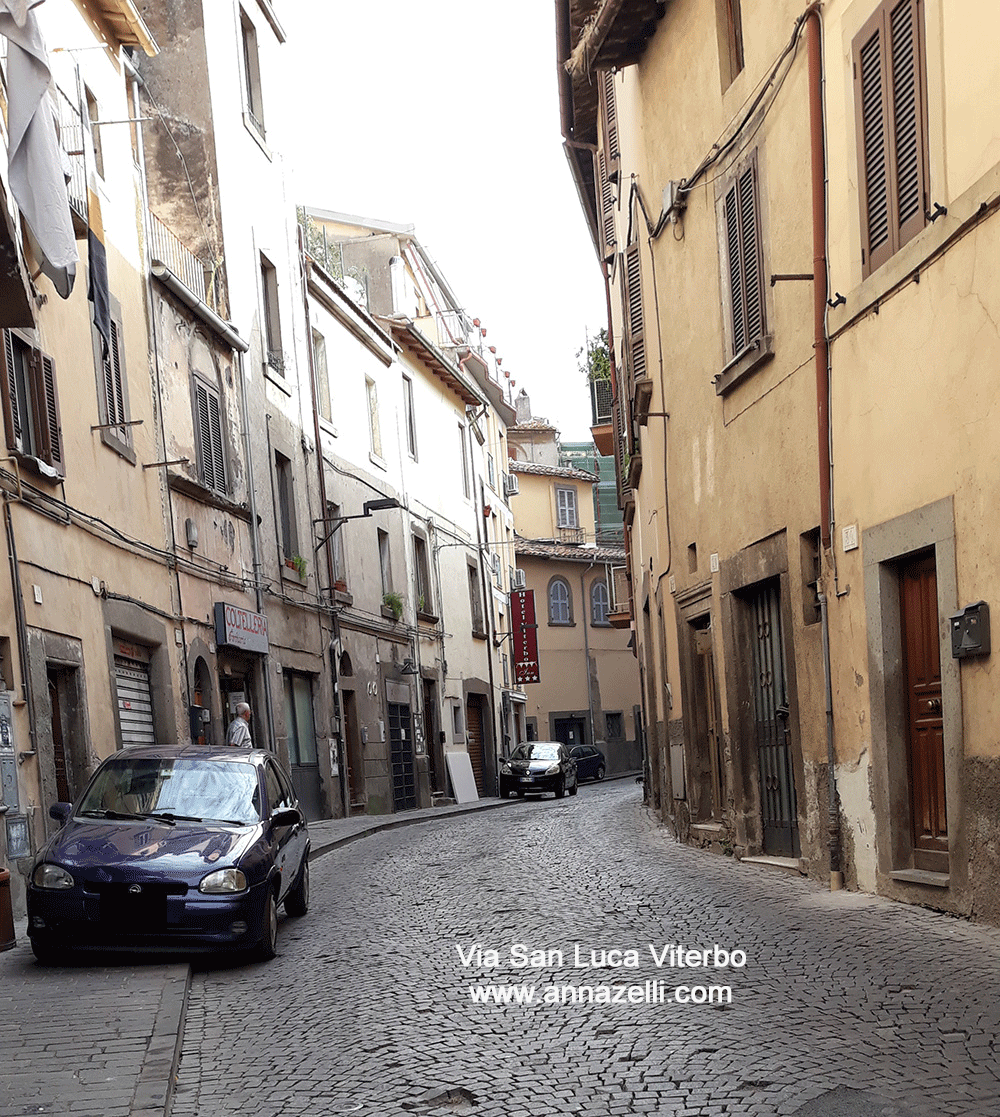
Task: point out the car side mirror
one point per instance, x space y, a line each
286 816
60 811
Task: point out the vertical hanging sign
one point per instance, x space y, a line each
525 636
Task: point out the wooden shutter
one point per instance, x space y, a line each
209 423
745 259
634 315
113 387
609 117
11 410
605 204
47 402
890 111
906 45
215 431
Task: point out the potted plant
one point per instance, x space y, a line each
392 604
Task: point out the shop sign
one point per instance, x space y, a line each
239 628
525 636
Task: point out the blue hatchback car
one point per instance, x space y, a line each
170 848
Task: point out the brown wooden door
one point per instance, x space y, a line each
924 721
705 697
355 753
474 729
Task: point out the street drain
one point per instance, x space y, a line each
456 1098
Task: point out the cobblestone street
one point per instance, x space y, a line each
847 1004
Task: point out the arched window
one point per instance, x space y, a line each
560 602
599 602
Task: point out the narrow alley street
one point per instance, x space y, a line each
846 1004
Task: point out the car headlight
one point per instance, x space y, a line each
223 880
504 769
552 769
51 877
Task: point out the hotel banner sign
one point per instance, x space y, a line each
239 628
525 636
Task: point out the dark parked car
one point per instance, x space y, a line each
539 766
590 762
177 847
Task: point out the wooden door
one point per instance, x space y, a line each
921 639
706 699
474 729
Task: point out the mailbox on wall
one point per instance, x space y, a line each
970 631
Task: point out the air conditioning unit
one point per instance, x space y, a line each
519 580
510 484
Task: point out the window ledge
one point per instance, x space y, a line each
562 624
427 618
755 356
480 635
290 574
376 460
179 482
40 468
278 381
122 449
343 597
390 615
258 136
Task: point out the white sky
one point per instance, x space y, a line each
445 115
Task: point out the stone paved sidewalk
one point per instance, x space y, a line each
101 1038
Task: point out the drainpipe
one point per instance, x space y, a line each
585 617
820 294
820 289
833 814
304 266
258 573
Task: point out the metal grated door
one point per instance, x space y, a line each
778 803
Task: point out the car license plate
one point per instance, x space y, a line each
527 779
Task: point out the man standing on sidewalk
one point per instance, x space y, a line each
239 728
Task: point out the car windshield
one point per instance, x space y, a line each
540 750
193 790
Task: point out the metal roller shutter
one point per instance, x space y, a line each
135 702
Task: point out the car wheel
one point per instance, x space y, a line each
561 790
576 786
45 953
267 947
297 900
599 774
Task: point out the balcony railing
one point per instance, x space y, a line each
70 122
193 272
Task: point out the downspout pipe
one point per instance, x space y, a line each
820 284
585 617
820 293
258 570
304 265
833 813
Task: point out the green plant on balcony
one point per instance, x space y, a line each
394 603
299 563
